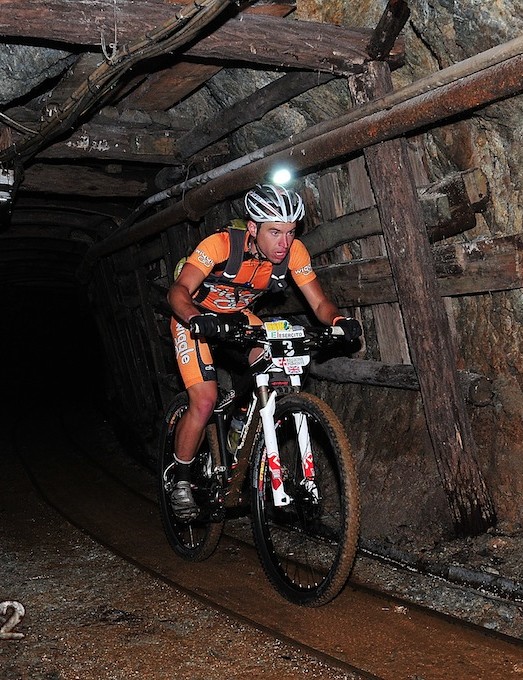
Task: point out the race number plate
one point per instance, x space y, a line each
282 330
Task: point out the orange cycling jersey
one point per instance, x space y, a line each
252 279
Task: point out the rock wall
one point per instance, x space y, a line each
401 490
402 494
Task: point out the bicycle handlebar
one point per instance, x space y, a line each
237 330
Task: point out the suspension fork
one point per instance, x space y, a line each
268 405
268 402
307 460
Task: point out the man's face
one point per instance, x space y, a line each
273 239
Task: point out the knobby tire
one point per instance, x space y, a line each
307 549
195 540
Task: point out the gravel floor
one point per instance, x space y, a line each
90 615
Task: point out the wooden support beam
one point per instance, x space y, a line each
250 38
476 388
292 44
151 335
61 21
163 89
116 141
426 324
449 207
388 29
250 109
484 265
474 82
465 194
388 322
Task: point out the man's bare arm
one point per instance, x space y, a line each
324 309
181 292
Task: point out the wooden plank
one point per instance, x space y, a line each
83 181
251 38
390 25
164 89
117 342
476 388
116 141
449 207
388 323
247 110
466 194
333 189
426 324
77 23
155 346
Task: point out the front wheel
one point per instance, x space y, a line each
307 548
195 540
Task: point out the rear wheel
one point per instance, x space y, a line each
195 540
307 548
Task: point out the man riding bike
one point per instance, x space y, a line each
205 289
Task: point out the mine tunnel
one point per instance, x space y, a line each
129 135
52 347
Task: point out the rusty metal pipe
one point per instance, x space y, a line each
454 92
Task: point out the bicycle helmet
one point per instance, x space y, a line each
271 203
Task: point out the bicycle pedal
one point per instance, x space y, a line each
217 515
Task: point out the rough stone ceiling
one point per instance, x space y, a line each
102 106
125 119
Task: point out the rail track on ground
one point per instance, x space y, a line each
79 470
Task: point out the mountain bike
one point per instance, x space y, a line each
293 466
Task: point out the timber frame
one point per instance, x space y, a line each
397 231
397 219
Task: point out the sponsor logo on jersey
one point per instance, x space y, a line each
183 351
304 271
204 259
223 298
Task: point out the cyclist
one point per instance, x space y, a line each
202 292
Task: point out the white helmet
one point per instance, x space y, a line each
270 203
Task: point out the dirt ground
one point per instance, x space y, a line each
92 616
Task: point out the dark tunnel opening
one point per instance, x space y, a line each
50 347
